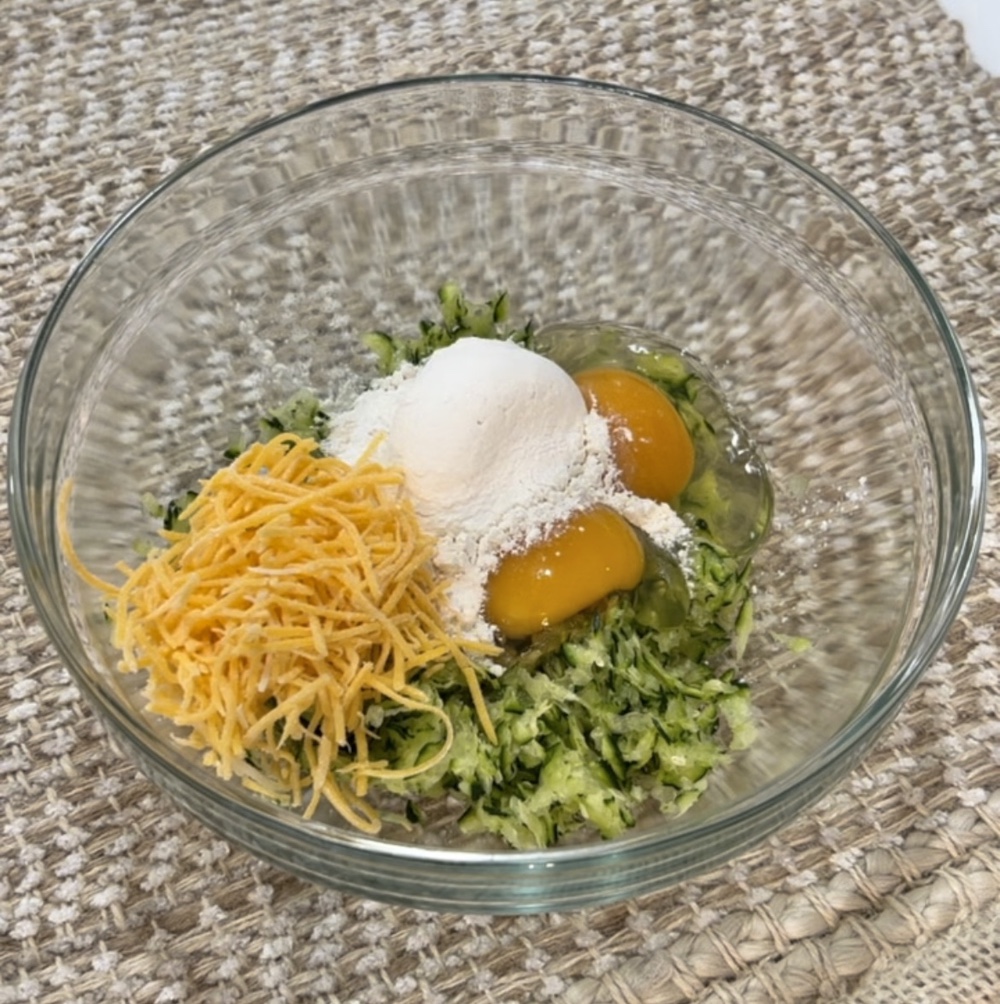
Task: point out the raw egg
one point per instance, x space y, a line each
594 553
651 444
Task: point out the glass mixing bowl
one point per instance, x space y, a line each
250 273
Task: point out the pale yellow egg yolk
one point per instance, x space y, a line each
595 553
651 444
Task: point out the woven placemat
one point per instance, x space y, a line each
887 891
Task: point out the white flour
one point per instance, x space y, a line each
498 449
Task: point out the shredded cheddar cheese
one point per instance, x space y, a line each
302 593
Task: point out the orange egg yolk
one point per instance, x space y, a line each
651 444
595 553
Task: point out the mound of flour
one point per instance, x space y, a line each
498 448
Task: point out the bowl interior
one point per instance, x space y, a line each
252 274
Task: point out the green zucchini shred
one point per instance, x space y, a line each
172 512
301 415
594 719
460 318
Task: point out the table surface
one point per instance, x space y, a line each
889 890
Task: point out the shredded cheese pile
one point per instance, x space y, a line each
303 592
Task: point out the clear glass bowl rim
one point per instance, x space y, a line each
955 558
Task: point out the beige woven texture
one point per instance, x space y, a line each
888 891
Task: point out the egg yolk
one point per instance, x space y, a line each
594 553
651 444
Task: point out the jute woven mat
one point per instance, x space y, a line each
888 891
